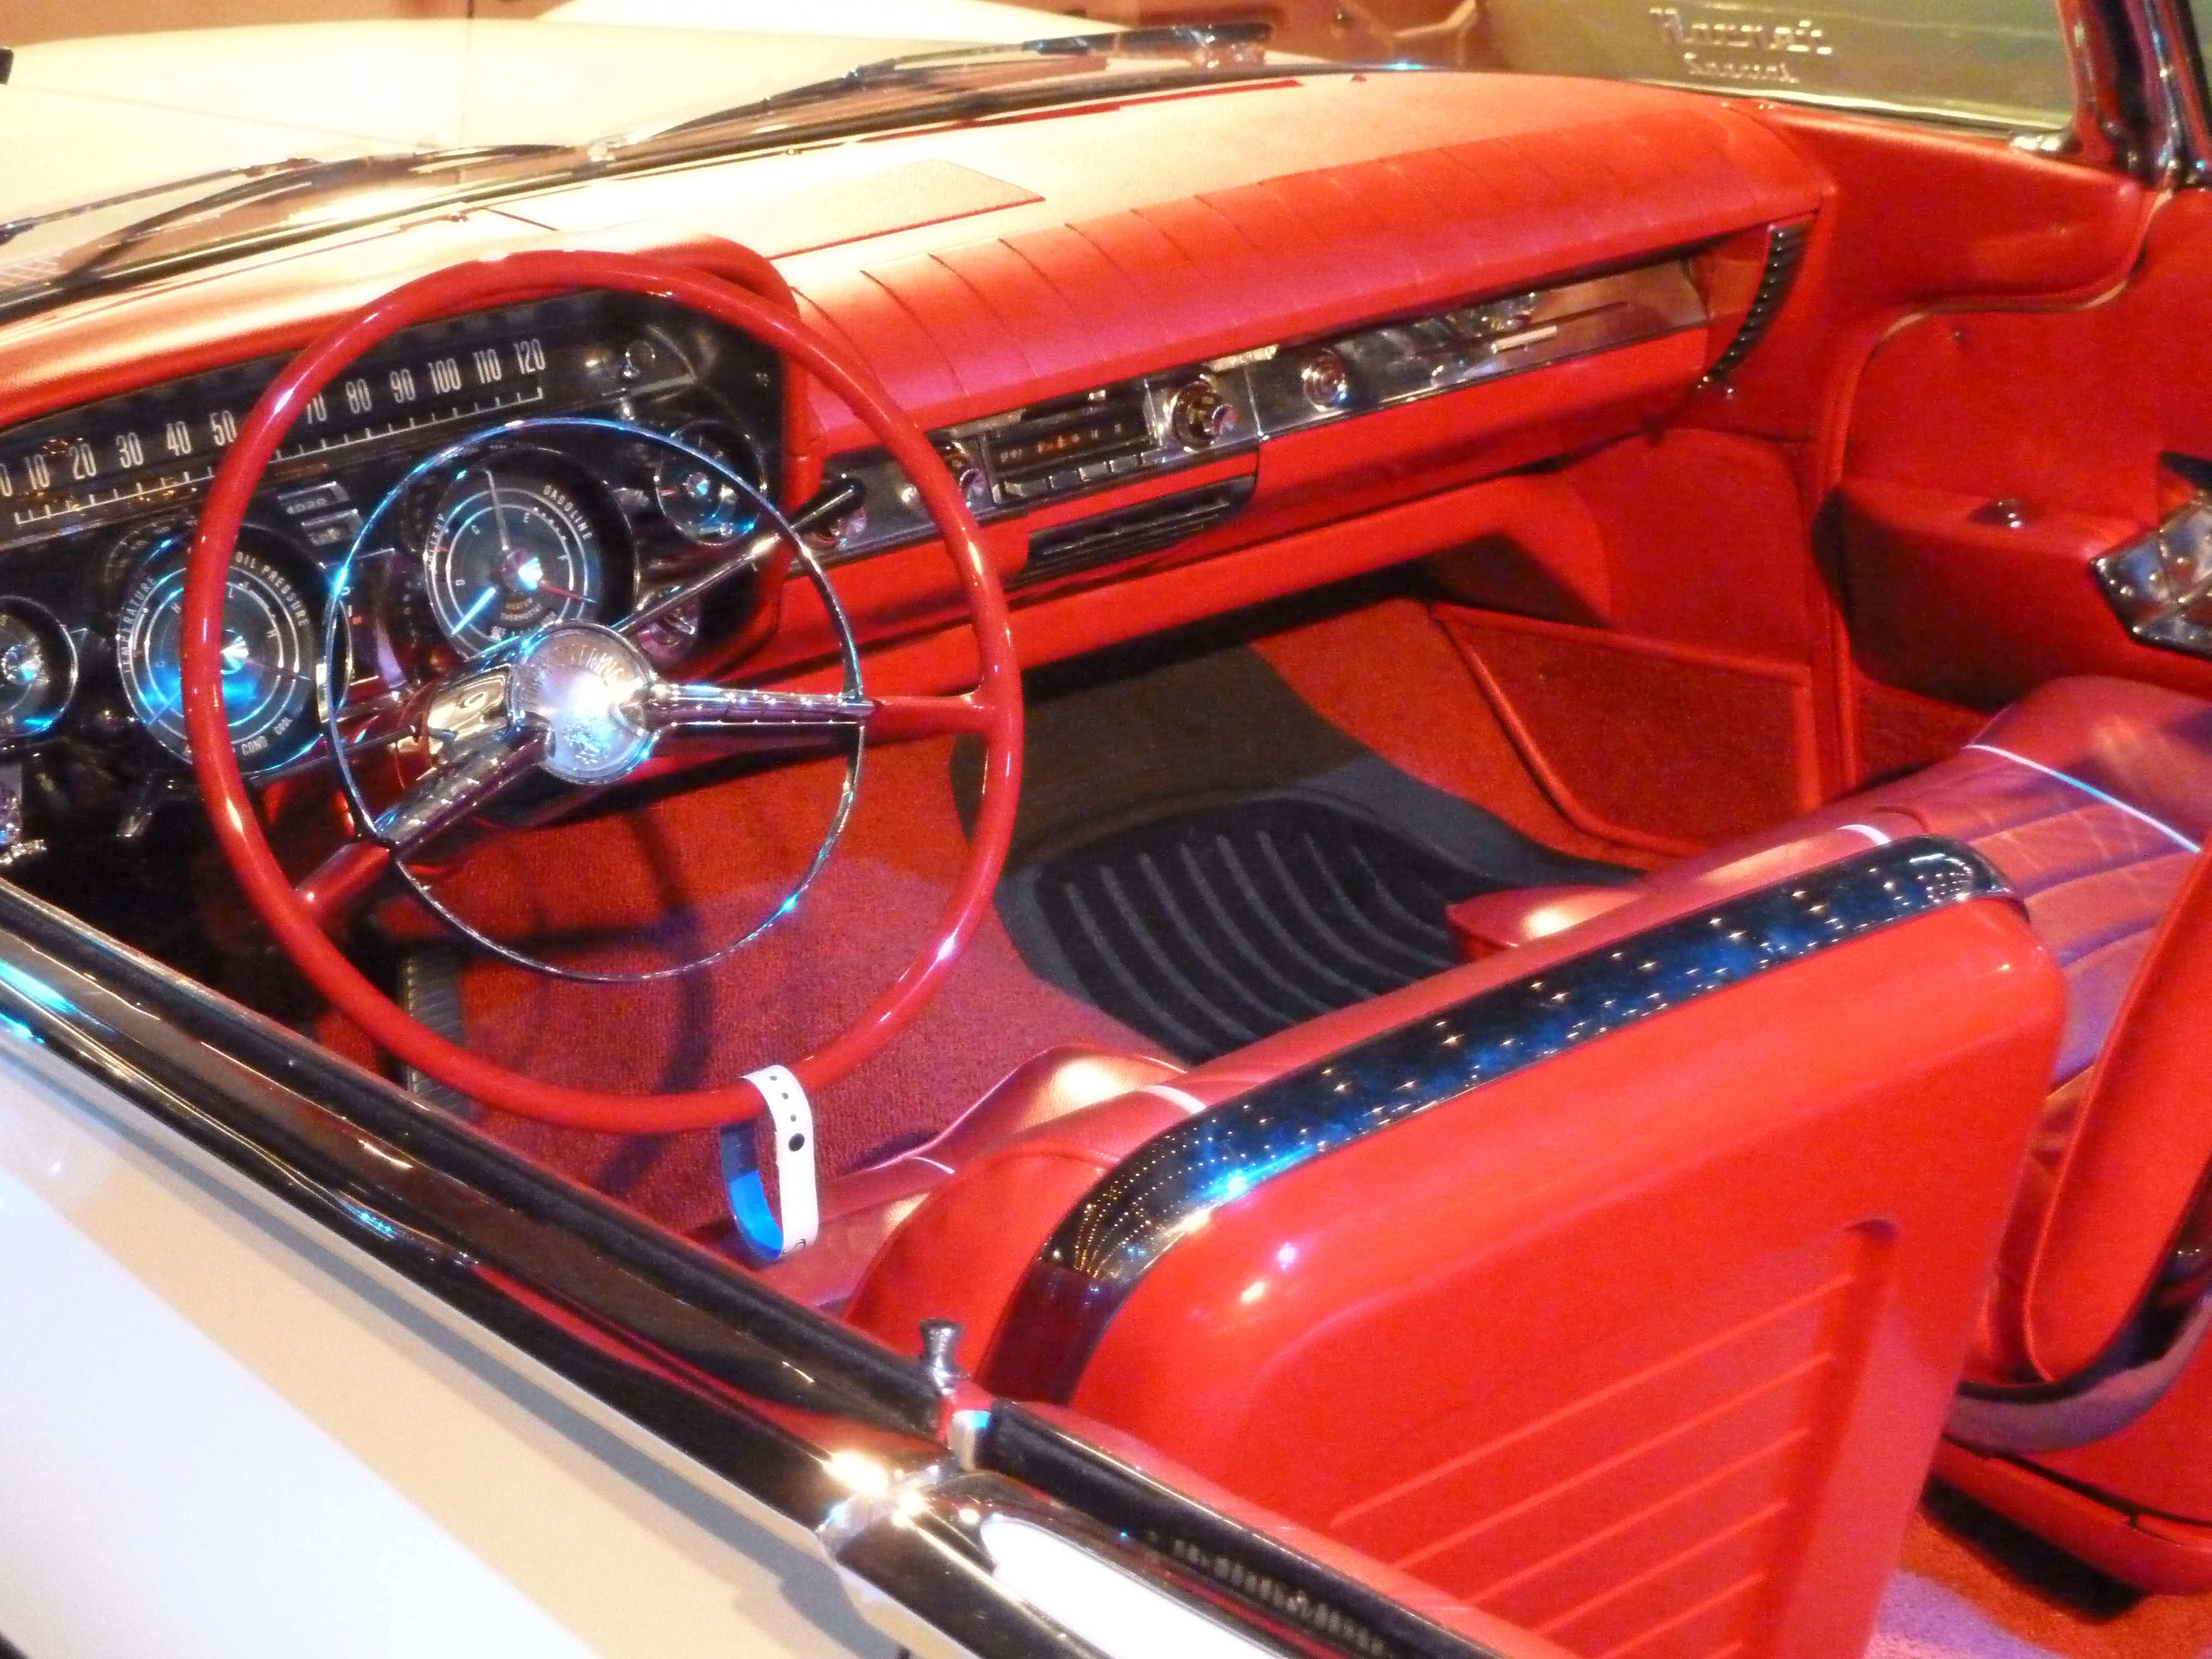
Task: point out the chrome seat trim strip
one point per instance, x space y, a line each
1164 1190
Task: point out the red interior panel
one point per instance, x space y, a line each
1494 1634
1643 742
1975 612
1776 1207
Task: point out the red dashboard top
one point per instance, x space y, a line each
979 268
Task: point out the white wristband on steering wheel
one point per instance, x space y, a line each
791 1123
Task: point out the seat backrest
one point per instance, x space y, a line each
2124 1164
1624 1299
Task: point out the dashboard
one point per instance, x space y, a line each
1118 382
524 453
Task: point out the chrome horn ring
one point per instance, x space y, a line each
579 701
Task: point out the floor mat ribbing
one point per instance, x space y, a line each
1204 858
1211 929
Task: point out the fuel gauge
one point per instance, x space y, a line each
509 550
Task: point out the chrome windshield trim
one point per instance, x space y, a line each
1166 1188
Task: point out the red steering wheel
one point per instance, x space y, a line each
992 711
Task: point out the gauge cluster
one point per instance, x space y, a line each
522 492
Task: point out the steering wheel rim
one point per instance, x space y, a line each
991 711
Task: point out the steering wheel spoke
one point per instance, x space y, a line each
672 707
828 504
904 719
471 775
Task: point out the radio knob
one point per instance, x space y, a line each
974 483
1201 416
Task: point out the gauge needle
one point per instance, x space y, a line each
235 657
545 587
498 515
530 573
476 609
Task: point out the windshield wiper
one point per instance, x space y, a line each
11 228
274 185
1198 46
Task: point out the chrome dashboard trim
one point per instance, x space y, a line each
1253 396
1166 1188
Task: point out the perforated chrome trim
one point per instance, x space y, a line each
1167 1188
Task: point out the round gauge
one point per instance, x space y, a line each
698 503
269 644
508 551
38 670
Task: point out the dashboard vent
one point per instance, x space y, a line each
1785 252
1146 528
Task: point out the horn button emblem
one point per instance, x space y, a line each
584 687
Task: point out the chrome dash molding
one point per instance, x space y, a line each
1096 440
1165 1189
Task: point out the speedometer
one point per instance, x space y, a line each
269 643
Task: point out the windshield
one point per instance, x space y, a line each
131 154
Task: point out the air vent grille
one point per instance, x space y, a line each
1112 537
1785 252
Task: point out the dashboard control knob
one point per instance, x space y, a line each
1325 378
1201 416
967 473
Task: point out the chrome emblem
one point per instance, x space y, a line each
581 685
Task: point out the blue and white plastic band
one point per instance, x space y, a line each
791 1120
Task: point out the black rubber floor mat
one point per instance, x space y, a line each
1203 856
1210 930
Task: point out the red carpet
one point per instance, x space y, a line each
1974 1586
721 857
1389 675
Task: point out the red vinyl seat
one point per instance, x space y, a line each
2087 1412
2091 796
1644 1345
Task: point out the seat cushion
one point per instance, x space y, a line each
2092 797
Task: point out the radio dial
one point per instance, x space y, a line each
1201 416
